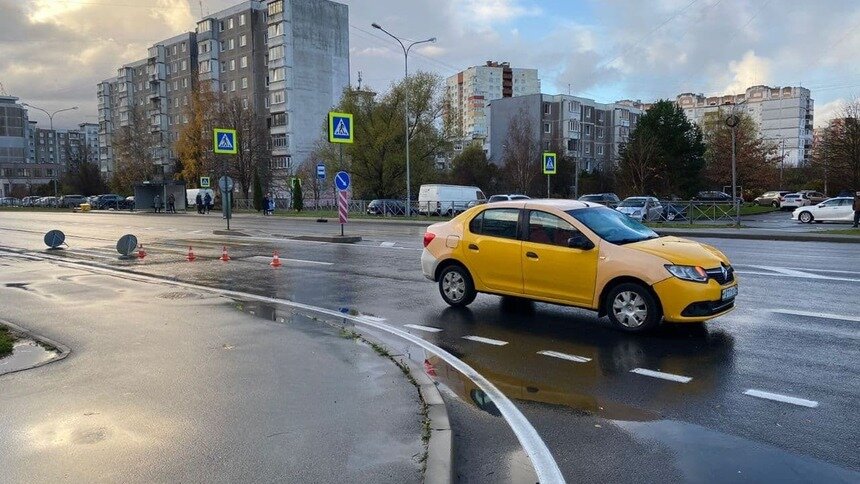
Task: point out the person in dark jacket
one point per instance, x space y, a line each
207 201
171 203
266 205
856 209
199 202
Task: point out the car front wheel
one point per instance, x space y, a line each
456 286
805 217
632 308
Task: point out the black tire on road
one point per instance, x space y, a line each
805 217
775 204
632 308
456 286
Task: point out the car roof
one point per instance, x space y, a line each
557 203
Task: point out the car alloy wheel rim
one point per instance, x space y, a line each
804 217
454 286
630 309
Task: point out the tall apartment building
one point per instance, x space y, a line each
468 93
288 60
587 131
783 114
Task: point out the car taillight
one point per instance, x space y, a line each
428 237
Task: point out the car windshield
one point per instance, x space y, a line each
612 226
633 202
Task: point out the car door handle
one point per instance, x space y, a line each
532 255
473 247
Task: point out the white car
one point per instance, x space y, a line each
641 208
839 209
794 200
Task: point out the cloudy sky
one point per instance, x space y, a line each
53 52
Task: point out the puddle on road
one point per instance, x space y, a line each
26 353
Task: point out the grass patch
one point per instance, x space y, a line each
6 340
840 231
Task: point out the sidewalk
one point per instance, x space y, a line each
169 385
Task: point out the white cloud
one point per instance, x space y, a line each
488 12
826 112
748 71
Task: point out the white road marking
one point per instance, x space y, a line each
422 328
565 356
787 272
781 398
660 374
811 314
488 341
544 464
387 244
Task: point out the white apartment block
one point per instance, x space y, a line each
288 60
469 92
783 114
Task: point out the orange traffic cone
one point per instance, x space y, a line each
191 255
224 256
276 260
140 252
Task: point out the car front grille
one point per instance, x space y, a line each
722 277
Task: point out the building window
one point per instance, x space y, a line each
276 7
547 128
229 23
242 19
224 87
599 149
232 44
276 52
279 141
243 40
204 67
588 113
546 145
600 116
223 66
277 97
232 64
222 46
184 63
184 119
266 102
279 119
245 103
185 100
573 125
183 50
600 132
175 85
276 74
221 26
243 62
244 83
184 82
176 102
275 30
587 149
546 108
174 49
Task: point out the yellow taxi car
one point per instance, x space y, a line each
578 254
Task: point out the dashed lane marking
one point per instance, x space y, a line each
564 356
781 398
811 314
423 328
660 374
387 244
489 341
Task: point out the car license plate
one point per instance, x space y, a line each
730 292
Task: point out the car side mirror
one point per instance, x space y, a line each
580 241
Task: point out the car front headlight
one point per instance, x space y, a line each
688 273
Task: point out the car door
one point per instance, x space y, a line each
656 210
826 211
845 210
493 249
551 269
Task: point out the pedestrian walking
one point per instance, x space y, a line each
271 205
856 209
198 202
266 205
171 203
156 203
207 202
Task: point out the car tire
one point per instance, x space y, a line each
632 308
805 217
456 286
775 204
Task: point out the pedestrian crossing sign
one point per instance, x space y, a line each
340 127
225 141
550 164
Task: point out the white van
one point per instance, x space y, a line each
191 195
447 199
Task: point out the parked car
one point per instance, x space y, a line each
386 207
608 199
626 270
674 211
29 201
839 209
435 199
813 196
9 202
108 201
773 198
69 201
713 196
506 198
47 202
794 200
641 208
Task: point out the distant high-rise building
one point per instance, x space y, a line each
468 93
287 60
783 114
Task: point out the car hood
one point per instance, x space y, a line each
682 251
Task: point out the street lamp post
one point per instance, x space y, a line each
51 121
406 103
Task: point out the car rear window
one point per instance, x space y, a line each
497 222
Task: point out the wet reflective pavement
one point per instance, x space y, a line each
604 402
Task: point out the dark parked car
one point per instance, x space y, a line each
69 201
713 196
674 211
608 199
104 202
386 207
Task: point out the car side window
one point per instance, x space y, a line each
497 222
545 228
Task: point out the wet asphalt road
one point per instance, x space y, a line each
795 333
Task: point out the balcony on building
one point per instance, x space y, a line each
157 54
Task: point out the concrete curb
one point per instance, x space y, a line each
63 350
784 236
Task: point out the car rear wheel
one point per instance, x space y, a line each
456 286
632 308
805 217
775 204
